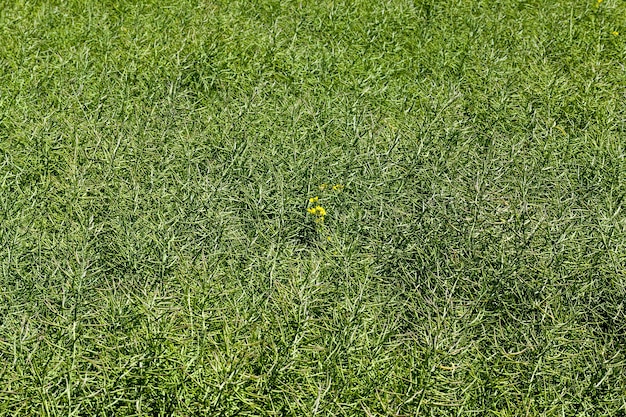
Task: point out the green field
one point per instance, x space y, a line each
298 208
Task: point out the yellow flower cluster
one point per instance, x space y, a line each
318 212
315 209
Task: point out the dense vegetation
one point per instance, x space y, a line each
162 250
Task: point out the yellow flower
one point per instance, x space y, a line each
319 212
337 187
323 186
313 200
615 33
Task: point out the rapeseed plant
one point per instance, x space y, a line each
318 212
315 208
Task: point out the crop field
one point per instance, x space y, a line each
301 208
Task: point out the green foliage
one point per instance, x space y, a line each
156 165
